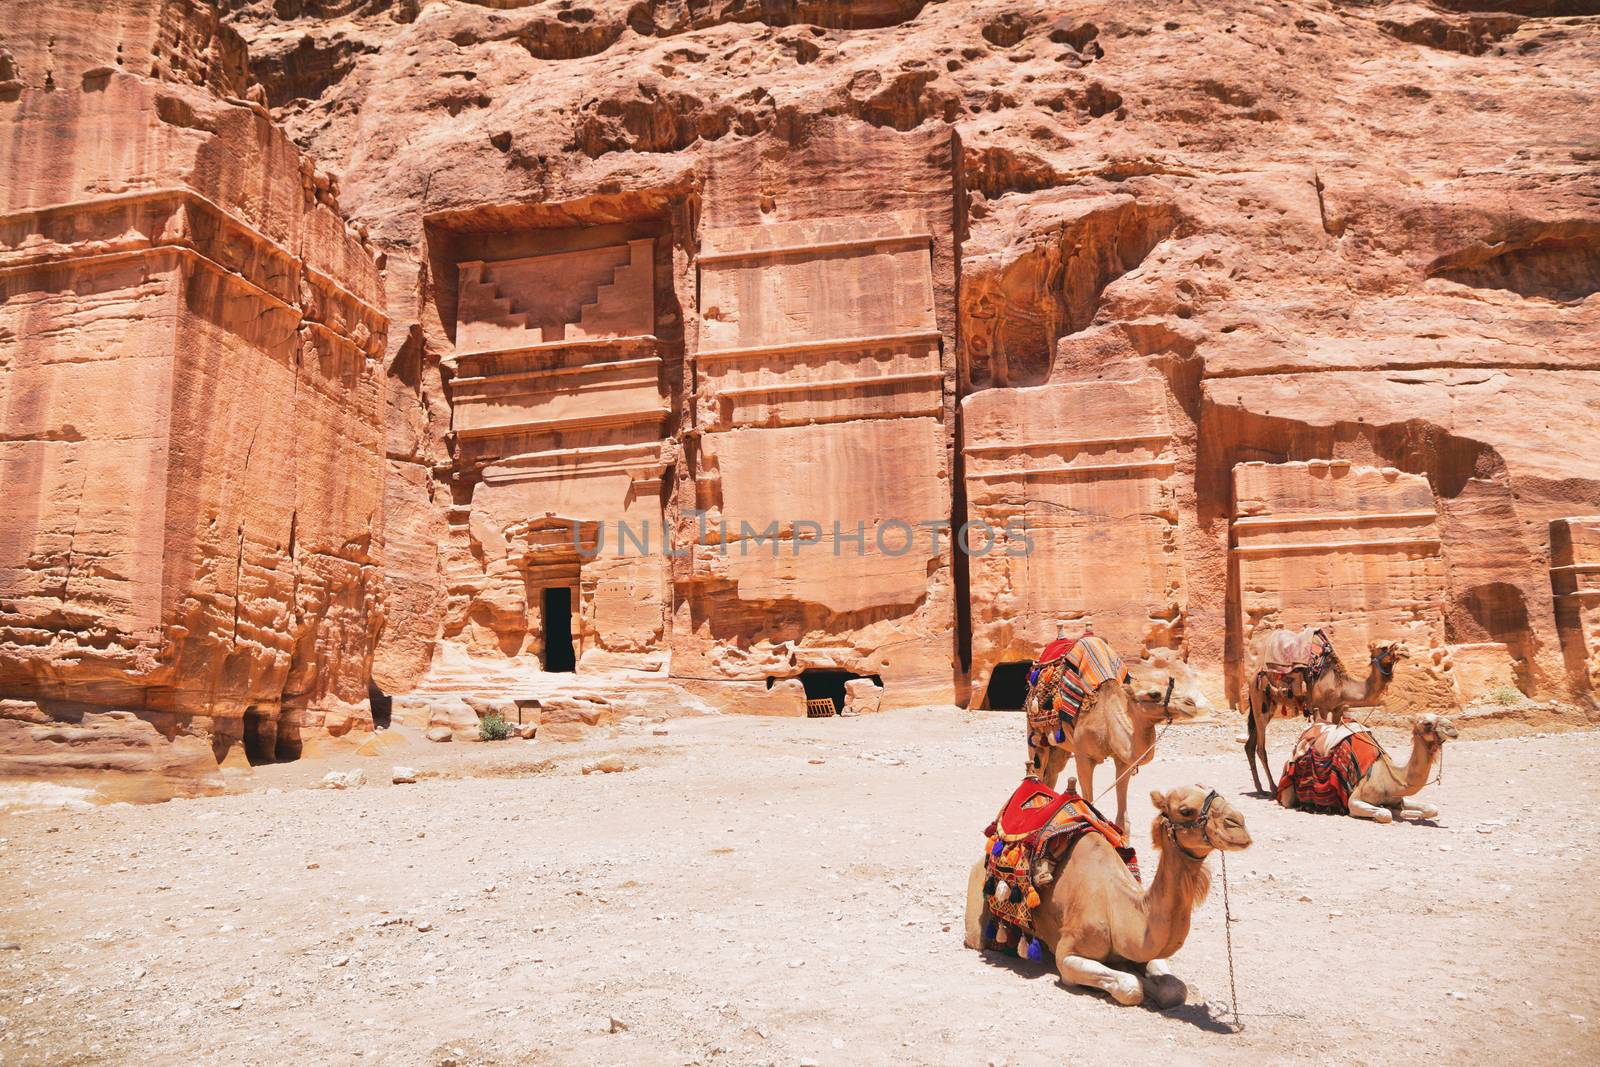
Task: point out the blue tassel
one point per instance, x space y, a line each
990 930
999 846
1036 950
1061 735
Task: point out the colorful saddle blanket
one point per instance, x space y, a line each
1033 834
1061 682
1328 763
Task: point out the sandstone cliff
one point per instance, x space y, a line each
189 401
1363 233
1250 314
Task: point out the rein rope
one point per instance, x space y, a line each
1133 768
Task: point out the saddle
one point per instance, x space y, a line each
1292 661
1028 842
1068 671
1328 763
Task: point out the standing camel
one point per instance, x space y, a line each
1117 721
1329 696
1336 767
1094 914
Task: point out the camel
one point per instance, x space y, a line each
1094 914
1329 697
1381 795
1118 722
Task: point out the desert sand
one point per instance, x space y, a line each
754 891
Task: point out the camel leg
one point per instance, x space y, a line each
1287 796
1251 741
976 908
1123 987
1418 809
1163 988
1362 810
1055 761
1085 776
1261 749
1122 797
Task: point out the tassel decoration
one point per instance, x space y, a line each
1061 735
996 848
988 887
991 930
1002 892
1002 935
1033 898
1035 950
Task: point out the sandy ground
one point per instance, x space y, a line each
729 900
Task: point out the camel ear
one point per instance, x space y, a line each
1159 799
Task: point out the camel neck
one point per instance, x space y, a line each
1179 884
1419 765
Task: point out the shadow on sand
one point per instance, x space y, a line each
1197 1015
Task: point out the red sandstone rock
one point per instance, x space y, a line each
1130 276
190 401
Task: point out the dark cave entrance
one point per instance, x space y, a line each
829 685
382 705
1008 686
558 653
260 737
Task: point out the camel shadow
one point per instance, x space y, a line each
1198 1015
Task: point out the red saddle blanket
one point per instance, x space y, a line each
1068 671
1035 831
1328 763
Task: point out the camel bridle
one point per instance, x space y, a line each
1201 821
1383 669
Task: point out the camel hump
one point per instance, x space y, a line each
1288 649
1323 737
1095 662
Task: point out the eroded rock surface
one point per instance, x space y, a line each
1131 277
1295 235
191 412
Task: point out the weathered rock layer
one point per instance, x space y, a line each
894 334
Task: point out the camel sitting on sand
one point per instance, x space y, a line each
1117 721
1328 697
1095 917
1337 767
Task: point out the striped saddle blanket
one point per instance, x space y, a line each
1328 763
1068 671
1034 833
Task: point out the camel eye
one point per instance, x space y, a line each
1187 813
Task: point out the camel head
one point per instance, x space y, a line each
1434 729
1198 820
1385 654
1148 690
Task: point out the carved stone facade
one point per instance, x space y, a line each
562 422
1355 550
1078 484
1575 581
189 391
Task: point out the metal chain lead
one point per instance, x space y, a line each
1227 929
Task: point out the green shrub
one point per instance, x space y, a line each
493 727
1507 695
